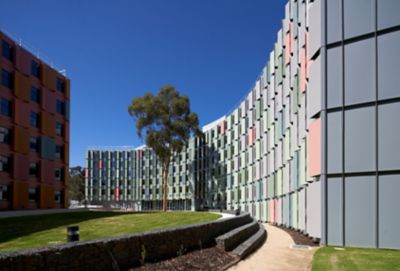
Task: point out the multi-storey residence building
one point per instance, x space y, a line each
314 145
34 130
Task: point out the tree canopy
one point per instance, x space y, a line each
166 119
167 122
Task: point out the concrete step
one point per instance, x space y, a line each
235 237
252 243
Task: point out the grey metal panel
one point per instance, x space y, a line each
67 110
388 13
334 23
314 17
47 148
314 209
334 77
389 218
388 64
388 137
335 142
360 210
359 72
360 139
335 212
314 89
359 17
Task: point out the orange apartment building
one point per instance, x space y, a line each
34 130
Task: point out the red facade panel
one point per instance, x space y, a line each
21 113
21 167
48 101
47 170
23 60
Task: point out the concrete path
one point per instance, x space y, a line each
5 214
276 254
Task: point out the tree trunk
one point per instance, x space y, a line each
164 188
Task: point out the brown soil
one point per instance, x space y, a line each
299 238
200 260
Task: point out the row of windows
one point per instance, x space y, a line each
6 110
33 194
7 52
34 168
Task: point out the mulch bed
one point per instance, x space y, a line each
299 238
199 260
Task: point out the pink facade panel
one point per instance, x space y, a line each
100 164
288 48
303 70
314 149
116 193
86 172
223 126
250 135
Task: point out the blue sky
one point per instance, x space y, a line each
210 50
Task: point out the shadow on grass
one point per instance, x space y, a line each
15 227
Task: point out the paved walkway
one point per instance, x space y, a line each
276 254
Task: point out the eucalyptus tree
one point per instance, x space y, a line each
167 122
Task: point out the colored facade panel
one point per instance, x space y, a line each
314 148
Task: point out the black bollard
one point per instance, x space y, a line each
72 233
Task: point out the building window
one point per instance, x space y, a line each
60 107
5 107
35 95
5 163
34 169
60 85
5 135
58 174
6 79
7 51
57 197
33 194
34 120
59 152
59 129
35 69
34 144
4 192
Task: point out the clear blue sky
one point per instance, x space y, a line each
114 50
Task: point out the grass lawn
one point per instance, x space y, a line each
354 259
34 231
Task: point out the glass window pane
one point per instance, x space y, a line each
388 65
334 77
388 137
360 210
359 17
360 139
359 72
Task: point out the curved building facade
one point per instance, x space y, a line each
313 146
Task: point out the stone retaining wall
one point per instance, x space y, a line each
125 251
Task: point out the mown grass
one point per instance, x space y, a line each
354 259
35 231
